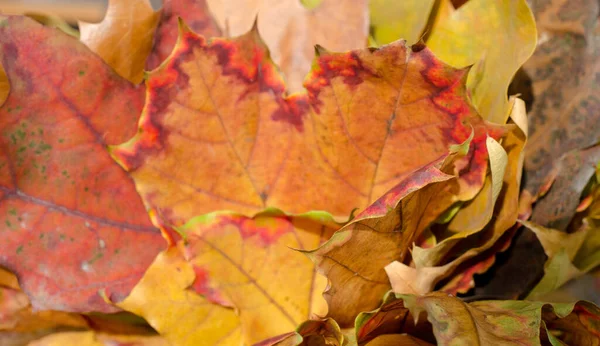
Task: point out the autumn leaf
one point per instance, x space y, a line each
505 322
393 20
292 31
72 220
562 119
124 37
420 110
503 29
193 12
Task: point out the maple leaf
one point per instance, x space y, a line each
124 37
291 31
238 104
72 221
504 28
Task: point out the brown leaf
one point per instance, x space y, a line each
565 70
123 39
572 171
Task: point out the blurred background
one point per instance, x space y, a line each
91 11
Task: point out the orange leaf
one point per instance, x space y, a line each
369 117
124 37
72 222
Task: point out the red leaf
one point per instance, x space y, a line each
72 222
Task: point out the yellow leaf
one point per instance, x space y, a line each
393 20
183 317
497 36
124 37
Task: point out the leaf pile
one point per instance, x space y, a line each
201 175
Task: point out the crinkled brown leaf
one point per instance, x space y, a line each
565 70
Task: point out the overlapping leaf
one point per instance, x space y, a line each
504 40
291 31
72 222
387 229
124 37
